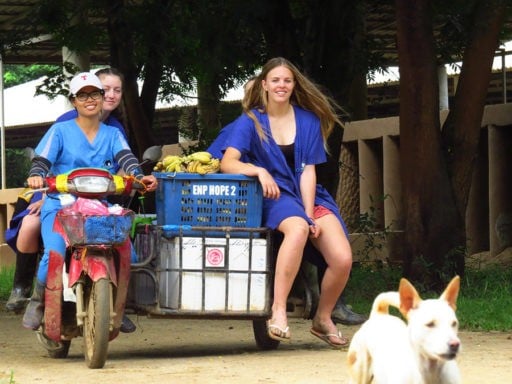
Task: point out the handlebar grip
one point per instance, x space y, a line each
138 185
45 183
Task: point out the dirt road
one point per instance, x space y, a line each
207 351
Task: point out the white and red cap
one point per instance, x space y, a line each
82 80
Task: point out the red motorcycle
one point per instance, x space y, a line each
86 293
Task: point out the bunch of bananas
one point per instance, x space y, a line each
197 162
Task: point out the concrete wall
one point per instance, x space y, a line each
489 212
8 199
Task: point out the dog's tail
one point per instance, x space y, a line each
383 301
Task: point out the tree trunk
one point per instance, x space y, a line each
279 30
122 48
434 230
334 68
461 130
207 106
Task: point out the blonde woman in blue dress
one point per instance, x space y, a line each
282 132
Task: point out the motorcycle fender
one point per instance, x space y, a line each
53 297
75 268
101 268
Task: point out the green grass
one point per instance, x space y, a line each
6 276
483 304
484 301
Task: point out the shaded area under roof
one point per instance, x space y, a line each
380 25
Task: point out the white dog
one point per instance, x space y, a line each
386 350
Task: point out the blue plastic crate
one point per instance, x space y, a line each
216 200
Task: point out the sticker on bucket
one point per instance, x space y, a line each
214 190
214 257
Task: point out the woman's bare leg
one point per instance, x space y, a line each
335 248
289 256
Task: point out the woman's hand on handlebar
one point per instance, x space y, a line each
150 182
35 182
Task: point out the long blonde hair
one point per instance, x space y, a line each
306 95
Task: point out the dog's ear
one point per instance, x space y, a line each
451 292
409 297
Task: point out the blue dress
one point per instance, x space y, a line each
309 150
26 198
218 146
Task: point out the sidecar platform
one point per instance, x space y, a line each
199 275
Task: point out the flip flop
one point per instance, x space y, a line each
280 335
326 337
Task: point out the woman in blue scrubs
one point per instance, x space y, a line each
282 133
81 142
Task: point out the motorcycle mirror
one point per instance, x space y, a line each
29 152
152 154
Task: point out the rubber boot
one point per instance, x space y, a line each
127 325
22 283
35 308
343 314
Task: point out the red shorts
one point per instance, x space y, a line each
320 211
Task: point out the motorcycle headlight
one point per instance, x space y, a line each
93 184
90 182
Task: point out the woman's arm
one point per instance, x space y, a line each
39 169
231 163
307 191
129 164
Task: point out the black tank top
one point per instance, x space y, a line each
289 155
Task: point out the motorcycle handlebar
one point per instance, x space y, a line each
92 183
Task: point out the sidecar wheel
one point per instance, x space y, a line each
62 351
97 323
263 341
56 350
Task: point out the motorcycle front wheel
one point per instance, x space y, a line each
97 322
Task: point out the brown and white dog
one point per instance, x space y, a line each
386 350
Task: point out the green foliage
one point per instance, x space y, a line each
17 165
374 236
53 84
486 299
6 278
19 74
366 282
